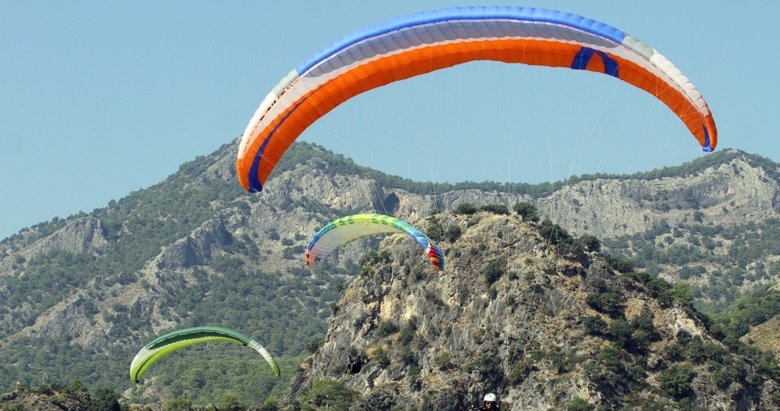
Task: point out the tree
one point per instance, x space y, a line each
494 269
683 294
105 399
452 233
606 302
661 290
620 332
495 209
435 230
619 263
579 404
676 381
465 208
177 404
527 211
329 394
594 325
589 243
554 233
314 344
270 404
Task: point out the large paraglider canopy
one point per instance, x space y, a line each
347 229
176 340
421 43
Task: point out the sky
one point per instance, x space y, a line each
98 99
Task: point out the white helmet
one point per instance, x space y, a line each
490 397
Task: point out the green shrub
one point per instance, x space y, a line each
314 344
380 357
489 367
178 404
270 404
105 399
620 263
435 230
674 352
724 374
589 243
676 381
644 330
385 328
608 371
443 361
452 233
520 371
683 295
494 269
373 258
594 325
554 233
495 209
661 290
329 394
620 332
407 333
579 404
406 356
605 302
527 211
465 208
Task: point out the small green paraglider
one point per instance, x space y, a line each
176 340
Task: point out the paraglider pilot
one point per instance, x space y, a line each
489 402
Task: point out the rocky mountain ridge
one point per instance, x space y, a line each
105 281
512 315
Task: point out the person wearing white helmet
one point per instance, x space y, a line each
489 402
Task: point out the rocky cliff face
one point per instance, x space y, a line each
733 193
78 235
119 273
510 315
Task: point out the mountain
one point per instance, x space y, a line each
54 398
544 326
81 295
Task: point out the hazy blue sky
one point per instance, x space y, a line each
99 98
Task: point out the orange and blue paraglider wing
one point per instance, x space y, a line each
421 43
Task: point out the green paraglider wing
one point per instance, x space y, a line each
176 340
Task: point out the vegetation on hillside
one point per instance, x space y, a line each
633 353
287 311
690 251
